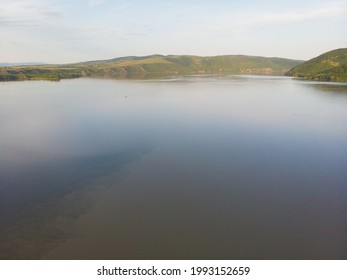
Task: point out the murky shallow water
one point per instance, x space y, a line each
215 167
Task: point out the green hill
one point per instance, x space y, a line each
151 66
330 66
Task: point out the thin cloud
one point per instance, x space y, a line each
99 32
27 13
95 3
226 25
328 11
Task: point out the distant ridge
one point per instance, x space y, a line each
21 64
140 67
330 66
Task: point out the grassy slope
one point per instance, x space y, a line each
141 67
330 66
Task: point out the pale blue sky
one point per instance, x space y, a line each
62 31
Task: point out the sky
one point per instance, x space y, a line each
66 31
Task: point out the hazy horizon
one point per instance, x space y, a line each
33 63
60 31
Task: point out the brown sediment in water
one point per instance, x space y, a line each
35 230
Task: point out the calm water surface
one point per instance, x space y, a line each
213 167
